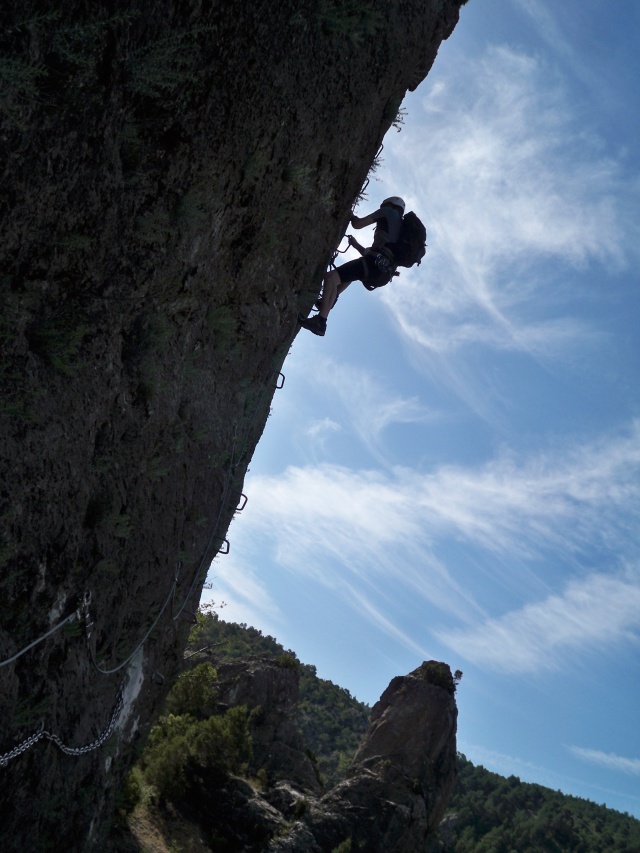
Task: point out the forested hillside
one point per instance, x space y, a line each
330 719
202 752
226 767
493 814
488 814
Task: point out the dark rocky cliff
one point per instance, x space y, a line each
174 177
393 797
400 780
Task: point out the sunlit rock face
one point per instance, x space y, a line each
397 788
401 778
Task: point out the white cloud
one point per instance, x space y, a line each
608 760
367 530
599 611
515 193
320 429
370 408
568 498
245 597
330 524
320 433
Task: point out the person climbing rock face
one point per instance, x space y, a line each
375 268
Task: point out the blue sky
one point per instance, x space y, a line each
453 471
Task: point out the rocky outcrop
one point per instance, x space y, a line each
270 692
401 778
175 175
396 790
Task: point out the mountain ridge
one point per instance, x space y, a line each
487 812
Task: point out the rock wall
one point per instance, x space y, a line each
401 779
175 174
396 790
278 748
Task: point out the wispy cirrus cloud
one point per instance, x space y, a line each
369 407
240 594
320 432
516 193
386 625
365 531
558 37
608 760
599 611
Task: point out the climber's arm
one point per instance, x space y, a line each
354 243
362 221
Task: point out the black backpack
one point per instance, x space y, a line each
410 247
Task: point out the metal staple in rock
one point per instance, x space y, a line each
84 612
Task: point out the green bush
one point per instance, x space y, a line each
166 755
438 674
223 743
194 692
181 747
129 795
287 660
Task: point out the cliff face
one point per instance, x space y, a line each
175 175
393 798
401 778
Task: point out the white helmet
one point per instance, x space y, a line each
395 200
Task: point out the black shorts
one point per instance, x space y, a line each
365 270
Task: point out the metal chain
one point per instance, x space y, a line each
68 750
83 613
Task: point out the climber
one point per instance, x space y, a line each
375 268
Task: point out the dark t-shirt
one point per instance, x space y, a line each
388 221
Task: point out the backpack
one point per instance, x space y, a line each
410 247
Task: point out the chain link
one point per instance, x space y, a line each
68 750
83 613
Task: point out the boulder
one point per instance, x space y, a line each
401 778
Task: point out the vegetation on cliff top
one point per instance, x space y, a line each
331 720
195 743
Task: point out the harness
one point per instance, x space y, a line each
383 259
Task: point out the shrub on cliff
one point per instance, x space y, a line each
194 692
180 749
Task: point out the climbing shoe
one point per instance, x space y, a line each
315 324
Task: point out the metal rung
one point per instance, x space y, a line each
242 505
280 382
